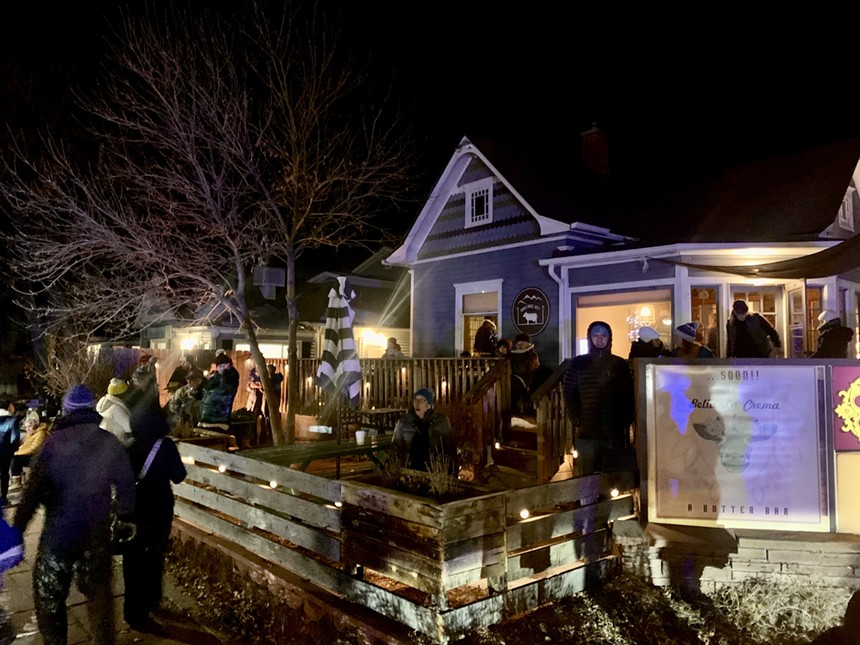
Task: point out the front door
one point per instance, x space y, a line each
765 301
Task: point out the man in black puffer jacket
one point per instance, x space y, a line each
72 477
598 392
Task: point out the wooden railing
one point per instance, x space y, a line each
488 403
390 383
555 431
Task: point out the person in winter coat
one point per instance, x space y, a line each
219 390
31 444
9 437
155 459
423 433
833 336
690 347
524 364
115 413
749 335
74 477
485 339
598 392
648 345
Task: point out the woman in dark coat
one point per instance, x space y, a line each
156 462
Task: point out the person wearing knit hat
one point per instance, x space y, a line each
78 397
690 347
750 335
423 435
833 337
648 345
116 416
600 400
117 386
82 473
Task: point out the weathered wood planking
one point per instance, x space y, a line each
422 543
589 548
578 489
528 595
303 536
303 482
321 514
536 531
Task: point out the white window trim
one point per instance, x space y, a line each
466 288
470 190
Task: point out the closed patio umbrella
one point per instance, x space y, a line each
339 372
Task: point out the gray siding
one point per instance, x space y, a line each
616 275
511 222
433 297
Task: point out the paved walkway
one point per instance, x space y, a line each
17 600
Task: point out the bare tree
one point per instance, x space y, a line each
223 144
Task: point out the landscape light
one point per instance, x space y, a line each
614 492
338 504
498 445
273 484
188 461
524 513
222 468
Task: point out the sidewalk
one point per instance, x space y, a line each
17 600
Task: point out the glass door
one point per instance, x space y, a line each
764 301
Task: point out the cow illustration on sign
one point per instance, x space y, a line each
530 311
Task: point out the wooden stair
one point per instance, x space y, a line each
518 448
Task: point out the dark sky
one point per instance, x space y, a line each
677 89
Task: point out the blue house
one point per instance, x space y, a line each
544 246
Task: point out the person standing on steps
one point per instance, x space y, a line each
598 393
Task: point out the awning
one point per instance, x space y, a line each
841 258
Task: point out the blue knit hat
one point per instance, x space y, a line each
79 397
687 331
427 393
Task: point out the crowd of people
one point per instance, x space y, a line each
123 437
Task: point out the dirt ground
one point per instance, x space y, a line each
623 611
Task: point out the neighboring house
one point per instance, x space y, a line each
545 248
381 306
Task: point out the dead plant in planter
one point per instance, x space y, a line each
439 475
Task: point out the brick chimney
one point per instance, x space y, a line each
594 144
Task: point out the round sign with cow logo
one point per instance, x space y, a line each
530 311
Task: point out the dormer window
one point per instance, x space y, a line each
479 203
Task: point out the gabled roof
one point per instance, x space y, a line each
790 197
378 301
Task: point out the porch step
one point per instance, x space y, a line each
521 459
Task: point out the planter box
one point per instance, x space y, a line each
428 545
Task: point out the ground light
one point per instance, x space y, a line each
222 468
524 514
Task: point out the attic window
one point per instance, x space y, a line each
479 203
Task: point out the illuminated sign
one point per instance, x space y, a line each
736 446
530 311
846 410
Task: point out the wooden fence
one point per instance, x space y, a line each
455 566
385 382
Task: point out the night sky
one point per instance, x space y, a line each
676 91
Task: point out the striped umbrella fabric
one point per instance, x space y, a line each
339 371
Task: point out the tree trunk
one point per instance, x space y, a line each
292 353
272 399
